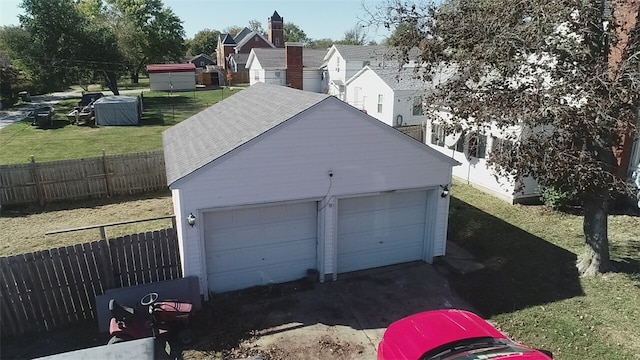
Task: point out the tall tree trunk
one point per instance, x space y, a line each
135 76
111 80
595 260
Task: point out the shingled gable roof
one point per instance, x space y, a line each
274 59
396 78
250 36
225 126
242 34
360 52
227 39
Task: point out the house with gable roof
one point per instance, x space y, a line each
287 66
343 61
247 39
390 93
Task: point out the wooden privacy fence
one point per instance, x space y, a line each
106 175
417 132
46 289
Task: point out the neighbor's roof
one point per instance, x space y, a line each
406 78
359 52
168 68
227 125
377 55
202 55
250 36
276 58
227 39
239 58
242 34
396 78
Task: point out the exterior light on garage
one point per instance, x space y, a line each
191 219
445 191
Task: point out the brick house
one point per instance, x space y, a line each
248 39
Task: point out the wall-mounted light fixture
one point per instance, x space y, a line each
445 191
191 219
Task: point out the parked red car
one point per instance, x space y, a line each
450 334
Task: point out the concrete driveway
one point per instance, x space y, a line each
344 319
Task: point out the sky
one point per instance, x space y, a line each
317 18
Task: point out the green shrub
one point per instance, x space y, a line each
557 199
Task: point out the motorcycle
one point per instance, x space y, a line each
163 319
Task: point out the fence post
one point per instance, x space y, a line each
106 172
103 233
36 179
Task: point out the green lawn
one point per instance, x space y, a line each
530 288
65 141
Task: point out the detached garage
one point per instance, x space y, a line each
272 182
172 77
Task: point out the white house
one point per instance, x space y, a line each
270 66
341 62
172 77
471 148
391 94
273 181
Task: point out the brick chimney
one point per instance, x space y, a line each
293 59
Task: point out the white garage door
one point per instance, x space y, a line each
260 245
381 230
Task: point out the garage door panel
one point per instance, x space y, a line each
265 255
392 237
245 278
259 245
381 230
380 220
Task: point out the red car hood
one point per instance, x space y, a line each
411 337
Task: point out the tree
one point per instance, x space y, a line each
256 26
292 33
402 33
8 82
232 30
562 71
204 42
321 44
58 41
147 33
355 36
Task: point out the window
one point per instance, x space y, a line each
459 145
476 145
277 74
357 94
501 145
417 106
202 63
380 100
256 75
437 134
277 42
337 64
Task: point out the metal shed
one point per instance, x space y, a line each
117 110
